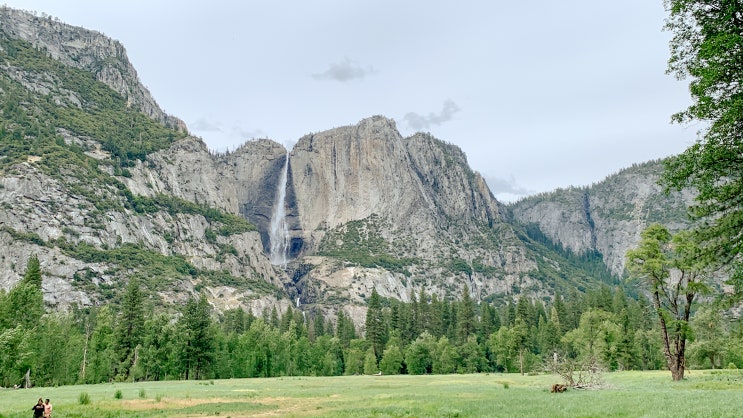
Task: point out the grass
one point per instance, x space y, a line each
627 394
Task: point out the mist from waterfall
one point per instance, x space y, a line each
279 233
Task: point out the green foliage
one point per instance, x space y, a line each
197 344
129 328
24 304
83 398
460 266
670 269
361 242
16 353
589 263
707 36
154 269
76 102
30 237
229 224
376 331
392 360
92 345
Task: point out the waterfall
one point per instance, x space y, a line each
279 233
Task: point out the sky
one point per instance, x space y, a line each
540 95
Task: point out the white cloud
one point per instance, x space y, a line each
343 71
242 133
501 187
204 125
418 122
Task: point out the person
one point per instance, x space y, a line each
39 408
47 409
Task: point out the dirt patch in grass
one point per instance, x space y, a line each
290 406
169 403
283 406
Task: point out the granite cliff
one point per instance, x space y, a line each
608 216
364 207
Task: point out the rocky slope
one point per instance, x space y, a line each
365 207
88 50
609 216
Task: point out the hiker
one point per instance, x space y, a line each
39 408
47 409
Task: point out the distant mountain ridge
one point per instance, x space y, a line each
102 194
608 216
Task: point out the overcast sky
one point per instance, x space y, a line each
539 95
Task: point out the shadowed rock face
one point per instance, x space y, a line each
258 165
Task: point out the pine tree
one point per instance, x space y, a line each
129 328
345 329
24 304
375 327
466 320
197 347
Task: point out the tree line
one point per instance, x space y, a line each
134 341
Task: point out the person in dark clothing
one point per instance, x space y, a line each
39 408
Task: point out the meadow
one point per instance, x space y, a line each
710 393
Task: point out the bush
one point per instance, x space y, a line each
118 395
83 399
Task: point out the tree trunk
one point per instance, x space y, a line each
28 378
674 360
85 352
677 365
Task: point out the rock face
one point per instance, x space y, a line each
415 183
607 217
416 195
88 50
365 208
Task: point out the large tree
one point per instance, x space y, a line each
376 333
24 304
707 49
197 340
129 328
668 267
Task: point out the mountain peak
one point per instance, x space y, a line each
89 50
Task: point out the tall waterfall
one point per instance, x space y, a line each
279 233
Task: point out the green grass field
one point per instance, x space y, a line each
625 394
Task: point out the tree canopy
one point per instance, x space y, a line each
666 265
707 49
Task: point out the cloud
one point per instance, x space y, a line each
204 125
343 71
418 122
242 133
502 186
